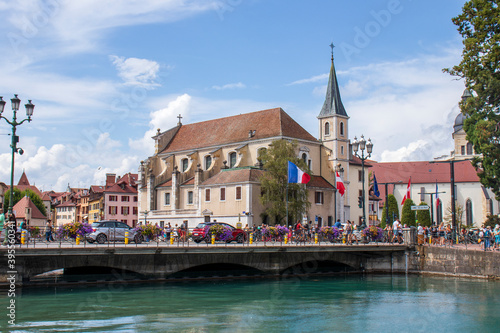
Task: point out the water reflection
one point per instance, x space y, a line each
296 304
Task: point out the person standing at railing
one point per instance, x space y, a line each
496 233
487 235
441 233
420 234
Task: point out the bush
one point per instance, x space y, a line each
424 216
408 215
491 221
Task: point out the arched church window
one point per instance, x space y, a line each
341 128
341 150
304 157
468 212
232 159
327 128
439 213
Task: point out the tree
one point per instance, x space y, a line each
18 195
480 67
408 215
36 200
459 214
424 216
274 182
393 210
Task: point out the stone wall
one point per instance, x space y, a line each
458 262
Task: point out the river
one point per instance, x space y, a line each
351 303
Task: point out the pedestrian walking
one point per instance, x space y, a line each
48 232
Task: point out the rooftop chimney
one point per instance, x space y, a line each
110 179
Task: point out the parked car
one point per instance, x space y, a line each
104 231
199 233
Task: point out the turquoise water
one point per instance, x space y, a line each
327 304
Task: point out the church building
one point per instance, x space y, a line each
209 171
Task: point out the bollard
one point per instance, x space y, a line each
171 240
316 238
251 238
126 237
430 239
286 239
23 237
457 239
213 239
78 240
343 239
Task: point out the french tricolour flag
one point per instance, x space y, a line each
295 175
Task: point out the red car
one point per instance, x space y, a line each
199 233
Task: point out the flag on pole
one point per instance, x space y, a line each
408 190
375 187
339 184
295 175
438 201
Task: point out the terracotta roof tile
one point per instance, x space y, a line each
421 173
166 184
117 188
234 129
319 182
424 172
230 176
190 181
20 209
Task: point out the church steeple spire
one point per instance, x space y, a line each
333 104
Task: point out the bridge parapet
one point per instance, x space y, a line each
162 262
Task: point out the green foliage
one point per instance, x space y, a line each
274 182
18 195
408 215
424 216
393 210
480 67
36 200
492 220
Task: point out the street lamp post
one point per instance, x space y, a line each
362 144
15 139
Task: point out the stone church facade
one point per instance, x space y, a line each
209 170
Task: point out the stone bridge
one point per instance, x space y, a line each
171 262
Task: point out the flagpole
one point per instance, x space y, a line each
286 199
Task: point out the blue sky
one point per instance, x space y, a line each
104 75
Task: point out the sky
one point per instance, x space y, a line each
105 75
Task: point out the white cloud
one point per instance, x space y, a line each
163 119
238 85
77 165
134 71
410 152
78 26
313 79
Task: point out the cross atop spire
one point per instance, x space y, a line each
179 117
333 104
